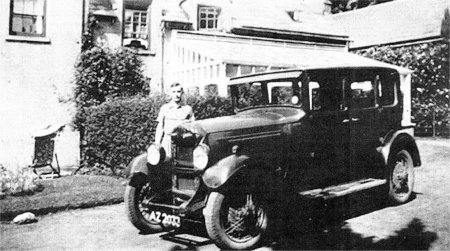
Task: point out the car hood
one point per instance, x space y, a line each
246 119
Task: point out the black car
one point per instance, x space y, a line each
317 132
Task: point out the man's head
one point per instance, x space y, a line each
176 92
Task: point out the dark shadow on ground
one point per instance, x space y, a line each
318 225
412 237
323 227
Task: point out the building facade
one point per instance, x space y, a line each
204 42
39 43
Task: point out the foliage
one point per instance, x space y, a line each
78 191
103 74
119 130
87 40
210 106
430 81
21 183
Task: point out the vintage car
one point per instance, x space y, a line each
316 132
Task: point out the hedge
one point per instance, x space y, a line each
118 130
430 80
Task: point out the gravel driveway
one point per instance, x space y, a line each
421 224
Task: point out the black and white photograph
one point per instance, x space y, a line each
224 125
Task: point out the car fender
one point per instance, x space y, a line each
138 165
400 139
219 173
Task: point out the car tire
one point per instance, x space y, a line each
136 212
401 177
236 221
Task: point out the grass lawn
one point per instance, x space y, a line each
78 191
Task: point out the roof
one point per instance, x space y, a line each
267 14
286 56
273 15
393 22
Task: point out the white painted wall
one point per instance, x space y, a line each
36 81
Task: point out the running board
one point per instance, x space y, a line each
343 189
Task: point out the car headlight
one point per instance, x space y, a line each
155 154
201 158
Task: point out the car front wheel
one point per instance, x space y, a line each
136 196
401 177
236 221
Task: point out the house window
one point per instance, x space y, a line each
27 18
208 17
136 29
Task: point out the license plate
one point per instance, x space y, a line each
166 219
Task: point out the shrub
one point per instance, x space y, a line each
210 106
20 183
103 74
430 81
119 130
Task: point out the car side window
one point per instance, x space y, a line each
363 89
387 91
326 95
363 94
250 95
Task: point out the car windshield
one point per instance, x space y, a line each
274 92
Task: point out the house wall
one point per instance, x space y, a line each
36 80
108 30
224 22
166 16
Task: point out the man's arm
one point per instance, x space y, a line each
159 133
191 115
159 128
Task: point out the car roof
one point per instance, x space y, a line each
322 60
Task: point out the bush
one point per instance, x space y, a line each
210 106
119 130
20 183
103 74
430 81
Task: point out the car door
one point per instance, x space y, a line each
329 126
366 123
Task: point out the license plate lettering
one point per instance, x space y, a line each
165 219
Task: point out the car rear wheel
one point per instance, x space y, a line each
236 221
401 177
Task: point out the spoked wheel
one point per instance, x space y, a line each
236 221
401 178
136 198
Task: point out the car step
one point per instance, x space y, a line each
186 239
343 189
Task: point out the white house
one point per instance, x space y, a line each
39 43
